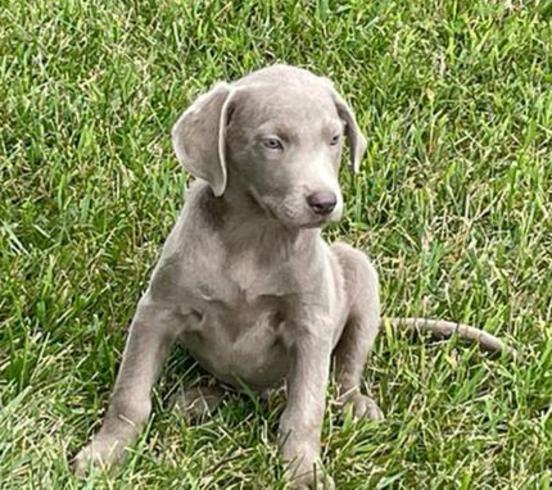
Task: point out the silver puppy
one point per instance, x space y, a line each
245 280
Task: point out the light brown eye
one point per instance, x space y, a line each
335 140
273 144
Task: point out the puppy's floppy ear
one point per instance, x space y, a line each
355 138
199 135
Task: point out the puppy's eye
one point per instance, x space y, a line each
273 144
335 140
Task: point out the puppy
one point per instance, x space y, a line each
245 280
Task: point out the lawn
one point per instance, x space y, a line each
453 204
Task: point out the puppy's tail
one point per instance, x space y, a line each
443 328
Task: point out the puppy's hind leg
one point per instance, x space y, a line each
360 331
198 402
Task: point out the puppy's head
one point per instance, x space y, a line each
277 135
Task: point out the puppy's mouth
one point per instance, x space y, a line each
254 196
318 221
288 216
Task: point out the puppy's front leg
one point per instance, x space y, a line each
151 335
301 422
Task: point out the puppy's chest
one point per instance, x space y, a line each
242 324
245 283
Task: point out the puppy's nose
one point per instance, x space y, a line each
322 202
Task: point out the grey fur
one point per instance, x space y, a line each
245 280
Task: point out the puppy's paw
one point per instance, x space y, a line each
97 454
365 406
362 406
312 481
196 403
304 476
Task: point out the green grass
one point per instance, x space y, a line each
454 205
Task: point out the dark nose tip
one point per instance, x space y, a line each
322 202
